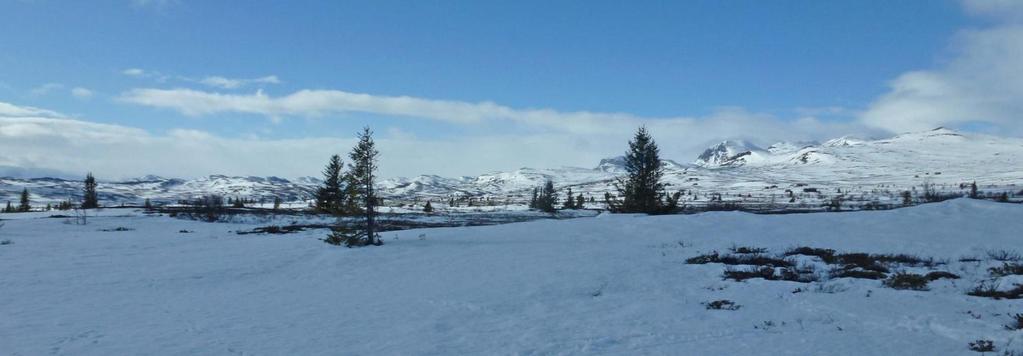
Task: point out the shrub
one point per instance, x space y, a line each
768 273
991 291
936 275
824 253
1004 256
722 304
6 242
753 259
982 346
747 250
904 280
744 274
350 238
1017 322
855 273
1006 269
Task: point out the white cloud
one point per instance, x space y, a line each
980 83
10 110
81 93
45 89
228 83
78 146
134 72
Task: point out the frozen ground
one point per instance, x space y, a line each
613 284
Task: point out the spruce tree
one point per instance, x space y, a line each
580 201
24 206
330 197
90 199
534 203
569 200
547 197
428 208
642 190
148 205
277 203
973 190
9 208
363 172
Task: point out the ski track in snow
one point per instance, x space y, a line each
613 284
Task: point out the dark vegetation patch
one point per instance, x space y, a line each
843 272
1007 269
722 304
907 281
824 254
276 229
184 232
750 259
1017 322
747 250
6 242
119 228
982 346
1004 255
988 290
791 274
936 275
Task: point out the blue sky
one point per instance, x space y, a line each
523 71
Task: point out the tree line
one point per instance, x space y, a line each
639 191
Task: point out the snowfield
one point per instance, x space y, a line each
611 284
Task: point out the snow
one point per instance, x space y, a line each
613 284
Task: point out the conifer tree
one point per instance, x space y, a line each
90 200
569 200
547 197
24 206
580 201
148 205
9 208
330 197
363 172
428 208
534 201
642 190
973 190
277 203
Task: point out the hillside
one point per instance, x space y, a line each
797 174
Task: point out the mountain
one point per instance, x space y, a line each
730 153
867 169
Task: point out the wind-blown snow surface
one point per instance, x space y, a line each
614 284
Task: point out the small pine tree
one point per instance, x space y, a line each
363 172
148 204
580 201
24 206
9 208
330 197
569 200
907 198
547 197
90 199
428 208
535 200
277 203
642 190
973 190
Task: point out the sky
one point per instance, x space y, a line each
186 88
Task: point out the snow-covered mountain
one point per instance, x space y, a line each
733 168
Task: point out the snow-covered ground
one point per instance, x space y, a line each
612 284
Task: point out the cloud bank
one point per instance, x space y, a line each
980 83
